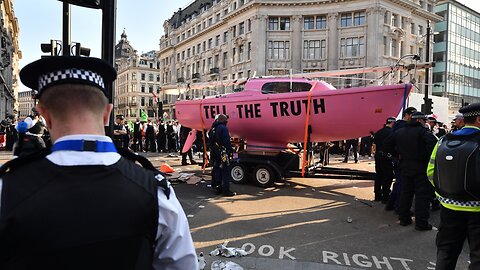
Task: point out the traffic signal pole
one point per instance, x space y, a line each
426 99
108 44
66 29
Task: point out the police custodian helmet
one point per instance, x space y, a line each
55 70
470 110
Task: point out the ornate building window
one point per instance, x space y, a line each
352 47
279 23
314 49
279 50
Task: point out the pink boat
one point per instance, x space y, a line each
271 112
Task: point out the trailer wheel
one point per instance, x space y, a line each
264 176
239 174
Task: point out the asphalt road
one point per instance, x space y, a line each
306 223
303 223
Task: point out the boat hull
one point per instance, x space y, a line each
272 120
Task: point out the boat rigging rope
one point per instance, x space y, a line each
307 122
205 164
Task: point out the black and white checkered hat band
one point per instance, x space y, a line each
68 74
473 113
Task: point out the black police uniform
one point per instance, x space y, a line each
126 137
84 206
414 144
383 166
454 172
137 136
161 138
48 222
222 152
150 143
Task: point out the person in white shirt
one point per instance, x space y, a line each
84 205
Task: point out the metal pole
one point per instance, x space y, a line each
428 104
108 43
66 30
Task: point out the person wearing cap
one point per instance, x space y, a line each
453 171
82 205
119 131
431 124
221 153
459 122
414 144
394 199
383 163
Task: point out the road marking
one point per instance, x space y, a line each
365 261
269 251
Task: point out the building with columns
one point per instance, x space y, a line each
25 103
10 54
138 81
215 40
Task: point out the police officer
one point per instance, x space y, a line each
119 131
383 163
32 139
150 143
222 153
414 144
394 200
83 205
137 136
453 170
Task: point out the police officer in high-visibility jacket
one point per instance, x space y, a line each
454 170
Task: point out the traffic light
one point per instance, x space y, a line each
54 47
85 3
427 107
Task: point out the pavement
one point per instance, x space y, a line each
302 223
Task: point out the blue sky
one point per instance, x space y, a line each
41 20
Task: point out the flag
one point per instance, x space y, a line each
143 115
155 97
130 125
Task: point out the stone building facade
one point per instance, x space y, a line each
25 103
10 54
215 40
138 82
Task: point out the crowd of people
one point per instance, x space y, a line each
147 136
423 159
438 168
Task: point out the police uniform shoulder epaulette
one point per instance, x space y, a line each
161 182
23 160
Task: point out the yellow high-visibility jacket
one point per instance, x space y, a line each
470 206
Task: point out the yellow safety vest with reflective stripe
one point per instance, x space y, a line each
470 206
